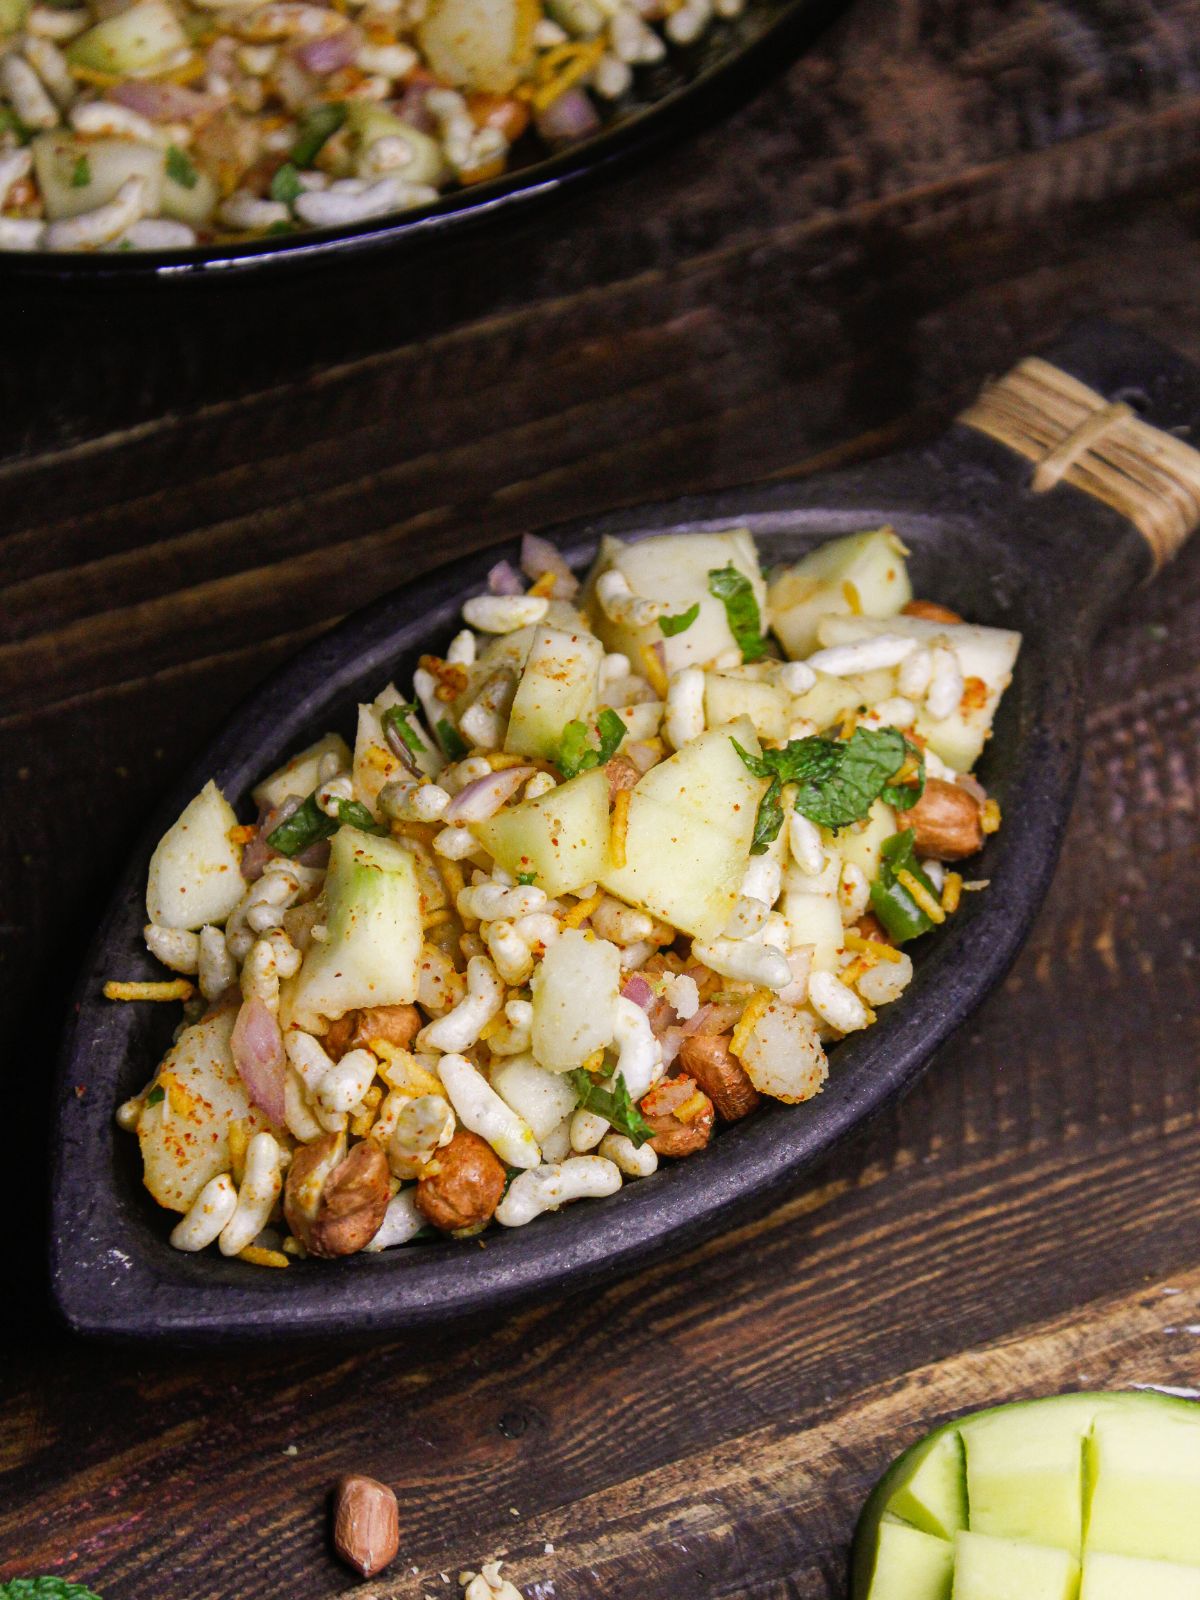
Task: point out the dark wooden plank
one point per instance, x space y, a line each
823 277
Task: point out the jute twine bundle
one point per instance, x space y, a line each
1077 436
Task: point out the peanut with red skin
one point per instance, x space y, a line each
397 1025
347 1211
672 1137
366 1524
946 822
466 1189
721 1075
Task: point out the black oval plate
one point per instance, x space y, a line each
114 1271
670 99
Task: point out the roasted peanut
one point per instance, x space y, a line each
334 1203
467 1187
674 1136
366 1524
930 610
945 822
722 1077
397 1025
621 774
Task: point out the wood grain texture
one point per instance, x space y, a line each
827 275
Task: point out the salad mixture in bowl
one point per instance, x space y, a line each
162 124
617 868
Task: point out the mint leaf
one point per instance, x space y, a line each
285 185
769 819
308 825
179 169
614 1105
156 1096
396 718
44 1589
451 741
576 755
733 589
839 779
680 623
316 128
526 879
81 173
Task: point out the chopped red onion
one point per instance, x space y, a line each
973 787
256 1045
505 579
639 991
322 56
412 107
257 851
539 556
568 119
484 797
162 102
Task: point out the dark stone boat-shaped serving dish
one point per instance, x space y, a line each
1051 564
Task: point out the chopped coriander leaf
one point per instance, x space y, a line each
10 122
81 173
576 755
890 900
156 1095
681 622
356 815
734 590
316 128
526 879
396 718
451 741
180 169
45 1589
285 185
282 227
308 824
840 779
614 1105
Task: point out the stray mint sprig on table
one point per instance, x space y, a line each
735 592
838 780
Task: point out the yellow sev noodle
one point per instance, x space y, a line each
921 895
581 911
174 989
258 1257
755 1006
620 829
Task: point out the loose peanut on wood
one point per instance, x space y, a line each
398 1025
930 610
366 1524
946 822
467 1187
722 1077
334 1203
673 1136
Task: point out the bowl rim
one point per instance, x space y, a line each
108 1280
681 110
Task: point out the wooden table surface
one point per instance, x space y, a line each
193 485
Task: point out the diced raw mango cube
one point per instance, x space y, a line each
561 837
1006 1569
1107 1577
1144 1476
911 1565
